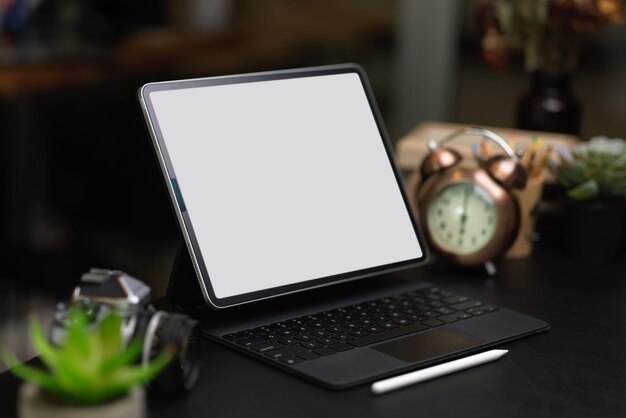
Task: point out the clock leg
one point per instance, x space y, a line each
491 268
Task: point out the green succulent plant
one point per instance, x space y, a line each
595 168
92 366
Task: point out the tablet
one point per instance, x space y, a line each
281 181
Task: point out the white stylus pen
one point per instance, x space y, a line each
433 372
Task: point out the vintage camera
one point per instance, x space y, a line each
102 291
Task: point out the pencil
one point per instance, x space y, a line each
527 157
540 161
484 148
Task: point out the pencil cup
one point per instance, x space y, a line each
528 199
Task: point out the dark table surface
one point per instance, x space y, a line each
577 369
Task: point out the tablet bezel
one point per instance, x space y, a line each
182 215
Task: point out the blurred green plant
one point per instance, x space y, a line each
92 366
593 169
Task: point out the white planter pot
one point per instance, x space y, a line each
33 402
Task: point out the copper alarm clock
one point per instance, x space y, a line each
469 214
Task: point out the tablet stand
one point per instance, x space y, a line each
183 290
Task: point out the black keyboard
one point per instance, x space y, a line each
329 332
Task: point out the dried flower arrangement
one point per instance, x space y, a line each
547 31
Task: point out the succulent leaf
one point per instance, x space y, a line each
595 168
91 366
29 373
584 191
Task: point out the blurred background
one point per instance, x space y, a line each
80 185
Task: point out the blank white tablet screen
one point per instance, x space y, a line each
284 181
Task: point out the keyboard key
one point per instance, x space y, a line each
263 348
467 305
323 351
455 299
291 360
375 329
402 321
343 336
300 328
475 311
388 325
374 338
307 355
334 330
236 335
311 345
277 327
358 333
433 322
444 311
449 318
288 341
257 332
285 352
249 341
328 341
341 347
305 337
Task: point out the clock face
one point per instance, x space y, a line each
462 218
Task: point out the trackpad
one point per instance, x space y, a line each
427 345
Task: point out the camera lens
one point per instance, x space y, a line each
160 330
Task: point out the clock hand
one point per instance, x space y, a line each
464 214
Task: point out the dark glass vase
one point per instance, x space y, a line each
550 105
